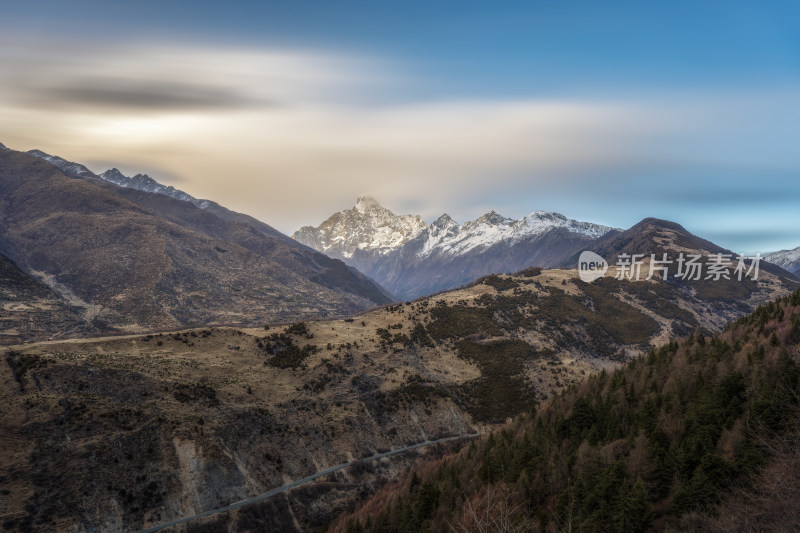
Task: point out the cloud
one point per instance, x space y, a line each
290 135
137 96
170 77
310 126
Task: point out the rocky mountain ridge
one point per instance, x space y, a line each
411 258
143 182
369 226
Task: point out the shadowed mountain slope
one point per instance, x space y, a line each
136 260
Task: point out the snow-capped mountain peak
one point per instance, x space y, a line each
366 203
492 218
444 222
114 176
412 258
540 221
368 226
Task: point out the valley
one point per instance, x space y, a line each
399 267
167 357
160 426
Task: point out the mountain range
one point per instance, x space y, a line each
126 432
208 264
411 258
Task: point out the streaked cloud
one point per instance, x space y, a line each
174 77
137 96
291 135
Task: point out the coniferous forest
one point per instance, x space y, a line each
683 438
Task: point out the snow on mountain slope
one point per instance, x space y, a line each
371 227
786 259
67 167
143 182
140 182
411 258
493 228
368 226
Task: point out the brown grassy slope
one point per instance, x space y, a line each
216 221
127 432
133 268
29 310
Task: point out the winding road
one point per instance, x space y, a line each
299 482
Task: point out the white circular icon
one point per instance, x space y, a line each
591 266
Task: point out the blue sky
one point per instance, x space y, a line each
605 111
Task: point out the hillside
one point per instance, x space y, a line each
213 415
412 259
649 236
655 445
653 236
31 309
218 221
128 260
